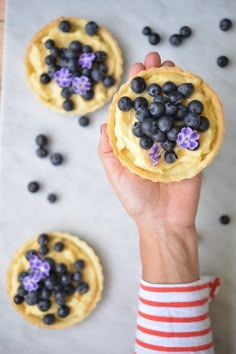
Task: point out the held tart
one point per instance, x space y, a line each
166 124
55 280
73 65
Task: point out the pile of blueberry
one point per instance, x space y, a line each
166 118
47 281
76 69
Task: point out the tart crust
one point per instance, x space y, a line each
189 163
50 94
80 305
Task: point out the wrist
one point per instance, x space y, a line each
169 253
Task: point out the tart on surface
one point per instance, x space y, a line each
166 124
73 65
55 280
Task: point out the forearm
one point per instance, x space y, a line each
169 254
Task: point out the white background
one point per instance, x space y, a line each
88 207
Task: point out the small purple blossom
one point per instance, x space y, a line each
86 60
81 85
63 77
155 154
38 265
187 138
30 283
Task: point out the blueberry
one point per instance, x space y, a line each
49 44
165 123
61 268
204 124
41 140
65 26
69 289
52 69
125 104
68 105
32 298
175 97
192 120
154 90
82 288
140 101
173 133
70 54
63 311
60 297
91 28
52 198
137 129
86 72
170 109
75 46
66 92
21 291
18 299
55 52
225 24
43 239
41 152
157 109
175 40
43 250
44 305
108 80
224 219
147 31
186 89
168 145
21 276
97 75
72 65
222 61
79 264
45 293
168 87
86 49
89 95
63 63
195 106
185 31
146 142
50 60
181 112
45 78
77 276
49 319
50 261
149 126
170 156
138 84
59 246
100 56
142 113
66 278
56 159
29 254
160 99
103 67
159 136
84 121
154 38
51 281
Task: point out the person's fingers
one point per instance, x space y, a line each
136 68
152 60
104 146
168 63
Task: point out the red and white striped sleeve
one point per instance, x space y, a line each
174 318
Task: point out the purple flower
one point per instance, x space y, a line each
86 60
187 138
155 154
81 85
38 265
63 77
30 283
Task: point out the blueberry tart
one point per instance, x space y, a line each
52 286
166 124
73 65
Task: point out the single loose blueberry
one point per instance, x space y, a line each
147 31
168 87
154 38
68 105
18 299
49 319
33 187
175 97
170 109
195 106
59 246
56 159
63 311
65 26
75 46
165 123
142 113
154 90
125 104
168 145
82 288
172 134
43 239
224 219
185 31
79 264
186 89
108 81
157 109
41 152
49 44
204 124
192 120
89 95
175 40
66 92
140 101
222 61
41 140
91 28
146 142
84 121
138 84
170 157
45 78
43 250
159 136
52 198
44 305
225 24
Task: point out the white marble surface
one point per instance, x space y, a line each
88 207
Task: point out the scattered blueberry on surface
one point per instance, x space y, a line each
33 187
52 198
59 246
49 44
79 264
43 250
154 38
41 152
65 26
147 31
175 40
49 319
222 61
63 311
43 239
224 219
84 121
68 105
18 299
185 31
82 288
41 140
170 157
45 78
91 28
56 159
225 24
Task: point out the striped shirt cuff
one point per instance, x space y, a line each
174 318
